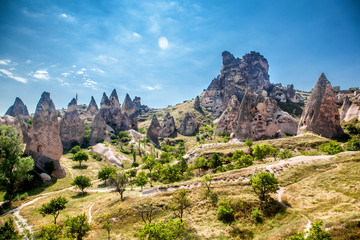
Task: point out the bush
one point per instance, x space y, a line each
78 226
331 148
261 151
244 161
215 161
106 144
75 149
201 163
263 184
227 209
314 233
256 215
96 156
125 150
353 144
8 231
285 154
352 127
172 229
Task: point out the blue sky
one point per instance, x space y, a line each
168 51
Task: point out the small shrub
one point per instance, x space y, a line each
106 144
96 156
244 161
263 184
227 209
331 148
256 215
353 144
75 149
261 151
285 154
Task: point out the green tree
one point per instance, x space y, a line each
170 173
237 154
263 184
314 233
105 173
141 180
244 161
149 163
261 151
8 231
107 224
180 202
80 157
285 154
170 230
81 182
206 180
249 143
331 148
53 207
120 181
78 226
50 232
75 149
13 168
227 209
215 161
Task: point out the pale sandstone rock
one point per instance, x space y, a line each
44 144
167 126
321 113
188 126
93 107
154 130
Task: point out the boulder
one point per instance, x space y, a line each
72 130
154 130
321 113
108 154
167 126
17 109
45 177
260 117
44 143
93 107
188 126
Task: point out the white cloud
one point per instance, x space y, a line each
41 74
28 61
62 82
67 17
151 88
5 61
74 66
80 72
135 34
11 75
106 59
90 84
66 74
97 70
163 43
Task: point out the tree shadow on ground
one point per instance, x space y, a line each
80 167
80 195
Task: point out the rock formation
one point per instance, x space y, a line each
352 112
93 107
112 115
345 107
260 117
17 109
72 128
153 131
72 105
226 121
167 126
139 109
129 108
237 75
188 126
105 102
114 100
321 114
19 124
100 131
197 102
285 94
45 144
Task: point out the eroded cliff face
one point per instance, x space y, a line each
18 109
321 114
189 125
154 130
44 143
167 126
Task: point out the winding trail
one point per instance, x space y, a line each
90 208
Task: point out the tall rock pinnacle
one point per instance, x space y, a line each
321 113
17 109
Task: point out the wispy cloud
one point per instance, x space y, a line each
11 75
97 70
5 61
41 74
106 59
62 82
135 34
66 74
151 88
28 61
90 84
67 17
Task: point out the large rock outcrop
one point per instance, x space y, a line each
237 75
353 112
129 108
114 99
100 131
19 124
18 109
197 102
45 144
259 117
111 114
321 113
167 126
72 130
227 119
345 107
93 107
139 109
153 131
188 125
72 105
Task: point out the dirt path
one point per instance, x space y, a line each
90 208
